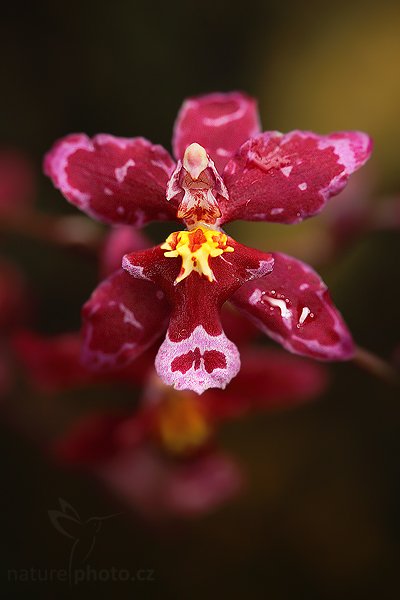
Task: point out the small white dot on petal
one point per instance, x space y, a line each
302 186
286 170
223 152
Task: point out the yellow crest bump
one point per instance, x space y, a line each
195 248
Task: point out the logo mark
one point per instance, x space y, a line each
82 533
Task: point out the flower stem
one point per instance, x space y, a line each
376 366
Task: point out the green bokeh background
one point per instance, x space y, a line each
321 516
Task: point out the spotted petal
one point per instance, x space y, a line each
52 363
287 178
196 353
121 320
115 180
292 305
220 123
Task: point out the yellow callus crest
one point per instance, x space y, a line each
195 248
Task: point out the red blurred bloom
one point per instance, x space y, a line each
164 460
13 312
226 170
17 184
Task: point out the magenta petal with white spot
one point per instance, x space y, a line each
115 180
287 178
292 305
122 318
196 354
220 123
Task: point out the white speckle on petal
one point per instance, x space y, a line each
286 170
304 314
264 267
302 186
120 210
108 192
303 287
276 211
225 119
136 271
255 297
129 317
223 152
286 313
121 172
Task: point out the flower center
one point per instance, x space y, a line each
195 248
181 423
197 185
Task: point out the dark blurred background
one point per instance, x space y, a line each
321 518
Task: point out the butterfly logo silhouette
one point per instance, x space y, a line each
83 533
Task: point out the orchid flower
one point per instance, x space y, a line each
226 169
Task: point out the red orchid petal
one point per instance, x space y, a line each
287 178
158 488
196 353
292 305
115 180
237 328
220 123
95 438
268 380
53 364
121 320
120 241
